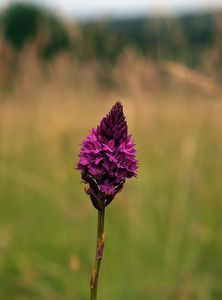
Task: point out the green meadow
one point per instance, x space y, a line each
163 232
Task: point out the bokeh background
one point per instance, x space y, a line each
62 67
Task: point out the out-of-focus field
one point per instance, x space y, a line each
163 232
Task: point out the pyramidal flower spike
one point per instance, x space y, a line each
107 158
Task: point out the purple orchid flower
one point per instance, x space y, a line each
107 158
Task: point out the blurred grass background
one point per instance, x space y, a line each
163 232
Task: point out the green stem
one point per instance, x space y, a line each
99 254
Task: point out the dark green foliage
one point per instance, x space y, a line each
187 39
22 23
57 35
182 38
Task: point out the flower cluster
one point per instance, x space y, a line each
107 158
